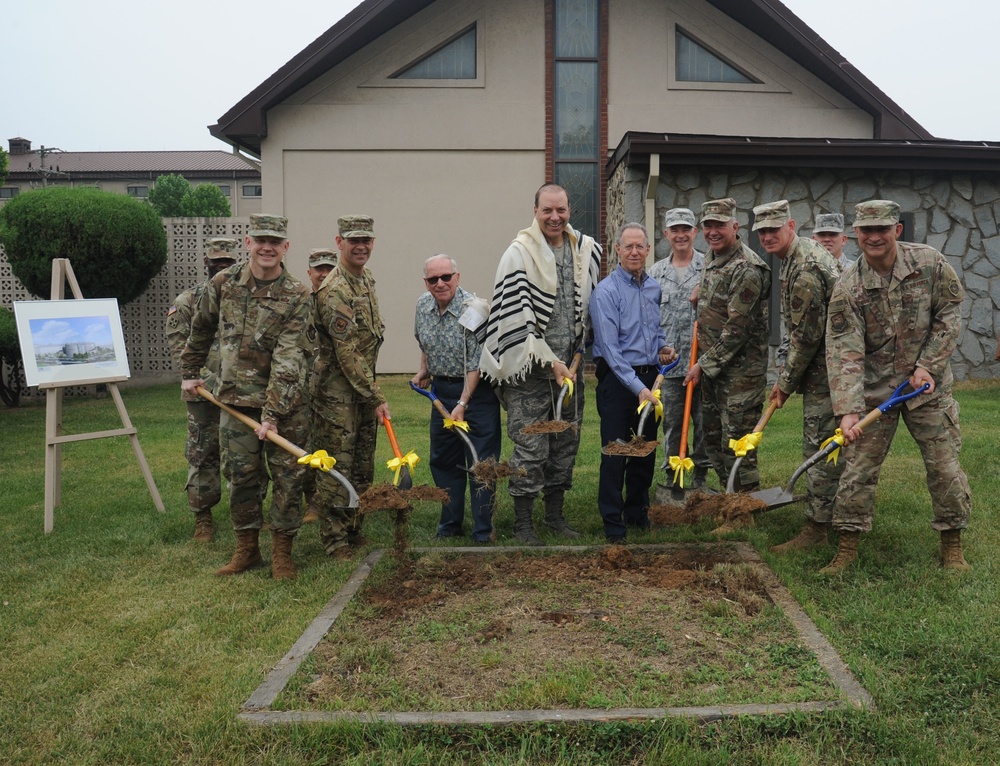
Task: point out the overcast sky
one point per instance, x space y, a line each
90 75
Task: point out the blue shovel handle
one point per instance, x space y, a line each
898 397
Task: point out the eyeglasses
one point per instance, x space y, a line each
434 280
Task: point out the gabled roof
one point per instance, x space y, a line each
191 164
245 124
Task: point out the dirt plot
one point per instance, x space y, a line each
615 627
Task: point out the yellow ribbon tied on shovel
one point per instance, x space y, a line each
318 459
568 382
746 443
838 436
463 424
410 460
680 466
658 412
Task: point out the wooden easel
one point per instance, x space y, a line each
62 272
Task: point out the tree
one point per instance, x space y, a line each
167 195
4 165
115 243
11 362
205 201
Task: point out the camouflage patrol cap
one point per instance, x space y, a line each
718 210
876 212
263 225
218 248
322 257
356 226
771 215
679 216
826 222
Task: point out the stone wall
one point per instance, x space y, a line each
143 319
957 214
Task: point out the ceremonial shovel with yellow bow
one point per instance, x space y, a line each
680 464
746 443
460 427
402 465
319 459
777 497
639 446
558 425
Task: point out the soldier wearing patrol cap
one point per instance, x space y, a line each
898 312
321 263
348 404
261 315
732 341
829 232
808 273
203 486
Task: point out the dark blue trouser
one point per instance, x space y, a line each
617 407
448 452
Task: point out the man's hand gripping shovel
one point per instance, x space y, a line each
639 446
777 497
460 427
318 459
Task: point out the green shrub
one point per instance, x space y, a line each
116 244
205 201
10 359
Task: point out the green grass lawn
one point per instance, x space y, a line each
118 646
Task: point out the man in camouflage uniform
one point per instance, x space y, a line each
539 317
679 275
321 262
261 316
348 404
203 487
829 232
808 273
732 341
895 315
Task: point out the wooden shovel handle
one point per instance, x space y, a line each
272 436
765 417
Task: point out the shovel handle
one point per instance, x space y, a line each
689 394
432 395
392 437
762 423
272 436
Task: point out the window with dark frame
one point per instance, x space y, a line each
253 190
8 192
453 60
139 192
695 62
225 189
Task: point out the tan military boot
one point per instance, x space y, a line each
813 533
204 529
847 552
951 551
282 566
247 555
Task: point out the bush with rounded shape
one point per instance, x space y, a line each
167 195
205 201
115 244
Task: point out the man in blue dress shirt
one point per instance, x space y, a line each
629 346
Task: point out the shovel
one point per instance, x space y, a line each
558 425
639 446
318 459
459 427
743 445
681 464
777 497
401 464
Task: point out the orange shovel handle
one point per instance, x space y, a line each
689 396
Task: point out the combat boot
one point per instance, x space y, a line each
282 566
813 533
554 519
524 527
951 550
247 555
204 529
847 552
699 480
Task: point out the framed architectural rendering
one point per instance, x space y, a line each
71 342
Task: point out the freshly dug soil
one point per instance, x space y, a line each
548 427
637 447
734 510
488 472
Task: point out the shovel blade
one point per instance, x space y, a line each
405 480
775 497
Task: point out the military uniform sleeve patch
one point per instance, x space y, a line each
748 295
954 288
340 325
838 322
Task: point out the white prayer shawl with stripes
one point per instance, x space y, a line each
523 297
